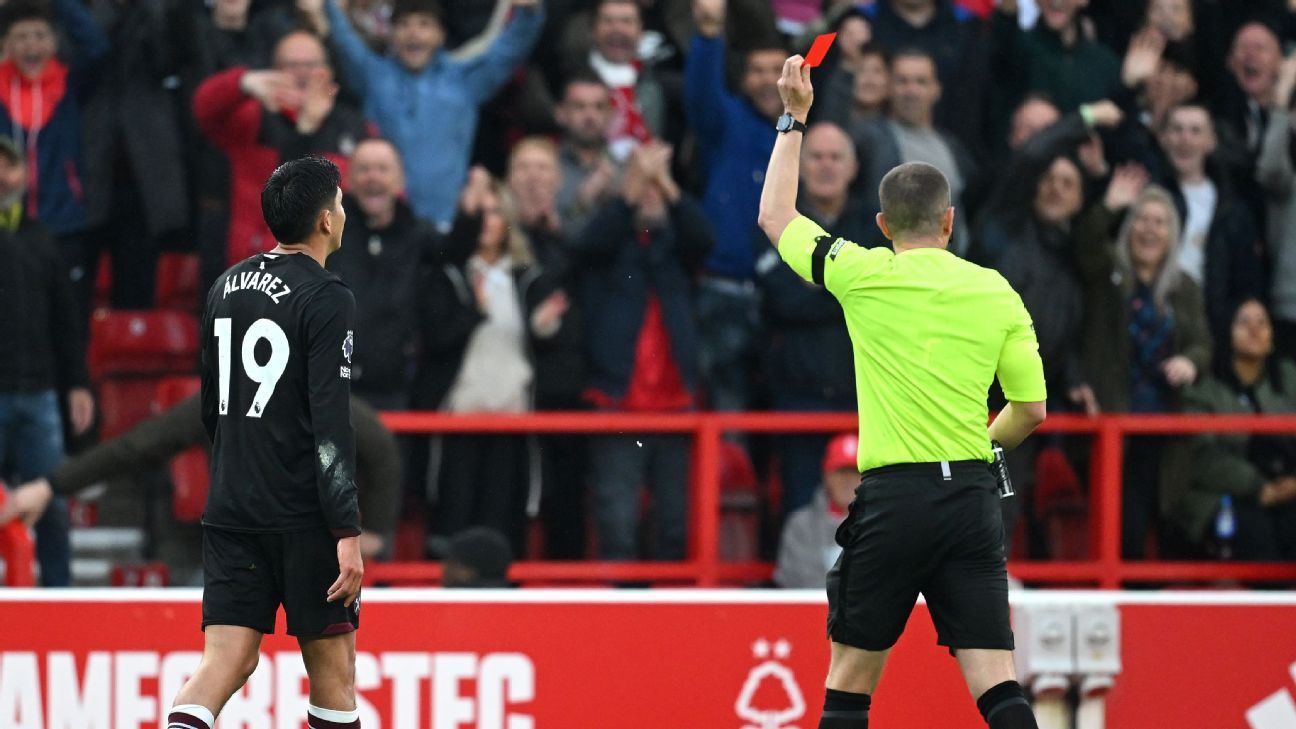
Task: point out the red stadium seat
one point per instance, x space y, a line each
123 402
129 350
1060 502
177 282
189 474
172 390
142 343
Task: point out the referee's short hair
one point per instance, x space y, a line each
914 199
295 194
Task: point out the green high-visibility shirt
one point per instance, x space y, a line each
930 332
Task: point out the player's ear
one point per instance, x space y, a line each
324 222
947 222
882 226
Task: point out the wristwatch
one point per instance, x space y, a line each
788 123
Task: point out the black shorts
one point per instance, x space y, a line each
247 575
911 531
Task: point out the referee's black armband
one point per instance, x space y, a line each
822 244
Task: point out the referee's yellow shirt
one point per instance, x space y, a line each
930 332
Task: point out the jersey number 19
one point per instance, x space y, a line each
265 375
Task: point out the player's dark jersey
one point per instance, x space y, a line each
276 353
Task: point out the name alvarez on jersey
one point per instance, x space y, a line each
276 337
266 283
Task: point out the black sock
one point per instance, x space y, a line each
1005 707
845 710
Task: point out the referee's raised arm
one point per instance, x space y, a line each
778 197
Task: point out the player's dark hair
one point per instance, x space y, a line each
914 199
17 11
401 8
294 195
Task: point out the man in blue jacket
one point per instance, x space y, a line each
426 100
735 135
41 110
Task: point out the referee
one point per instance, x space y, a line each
930 332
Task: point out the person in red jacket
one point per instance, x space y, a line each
261 119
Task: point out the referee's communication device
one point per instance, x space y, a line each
1000 470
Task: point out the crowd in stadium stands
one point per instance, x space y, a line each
552 206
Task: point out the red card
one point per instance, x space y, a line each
819 49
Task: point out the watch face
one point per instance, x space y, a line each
784 123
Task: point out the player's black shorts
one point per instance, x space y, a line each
247 575
911 531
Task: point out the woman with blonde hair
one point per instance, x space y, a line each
1146 336
481 317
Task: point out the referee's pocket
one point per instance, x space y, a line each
844 530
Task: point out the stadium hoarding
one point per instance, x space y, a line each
571 659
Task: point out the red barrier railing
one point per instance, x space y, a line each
704 568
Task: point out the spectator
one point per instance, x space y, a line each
260 118
636 257
809 360
666 28
383 246
953 38
42 113
155 440
1146 332
909 134
1276 175
1195 32
135 185
420 90
836 73
45 356
1034 115
1258 472
858 97
479 317
477 557
534 180
808 548
1027 233
640 107
1156 78
1254 62
589 171
221 37
1220 250
225 35
1054 58
735 134
828 171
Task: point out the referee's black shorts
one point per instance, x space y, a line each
928 528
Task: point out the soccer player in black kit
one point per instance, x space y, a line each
282 520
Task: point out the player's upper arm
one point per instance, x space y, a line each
330 325
1020 369
834 263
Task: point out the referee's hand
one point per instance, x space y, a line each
350 572
795 88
